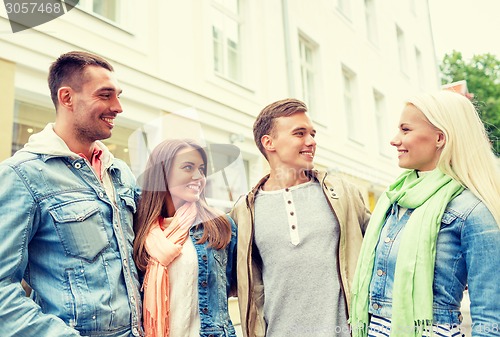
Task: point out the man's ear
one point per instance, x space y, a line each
267 143
65 97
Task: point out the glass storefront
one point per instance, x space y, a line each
30 119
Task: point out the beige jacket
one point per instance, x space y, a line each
346 203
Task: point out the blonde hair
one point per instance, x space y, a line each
467 155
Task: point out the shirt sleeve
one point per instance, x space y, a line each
481 244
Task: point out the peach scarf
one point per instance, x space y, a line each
163 247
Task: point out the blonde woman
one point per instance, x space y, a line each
435 230
184 247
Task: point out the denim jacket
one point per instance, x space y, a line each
467 253
62 233
216 276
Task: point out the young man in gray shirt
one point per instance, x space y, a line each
299 234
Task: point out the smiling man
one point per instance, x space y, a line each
66 216
299 234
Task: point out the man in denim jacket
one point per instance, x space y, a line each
66 216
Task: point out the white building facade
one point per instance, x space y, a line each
352 61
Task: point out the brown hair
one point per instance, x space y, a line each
156 202
264 124
69 70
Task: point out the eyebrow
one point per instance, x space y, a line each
303 129
191 163
110 89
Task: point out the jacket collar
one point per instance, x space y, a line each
314 174
49 144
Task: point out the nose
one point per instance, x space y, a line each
310 141
116 105
395 141
197 175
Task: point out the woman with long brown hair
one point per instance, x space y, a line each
185 247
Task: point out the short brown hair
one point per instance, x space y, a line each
264 124
69 69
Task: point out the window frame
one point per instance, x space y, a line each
308 73
371 22
221 60
402 52
121 5
351 112
381 117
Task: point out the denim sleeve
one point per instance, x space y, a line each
19 315
481 244
231 261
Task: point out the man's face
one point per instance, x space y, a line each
292 144
96 105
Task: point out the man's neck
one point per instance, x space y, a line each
280 179
75 145
85 149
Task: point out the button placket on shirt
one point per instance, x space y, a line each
202 253
292 217
389 234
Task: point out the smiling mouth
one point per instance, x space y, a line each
110 121
196 188
307 153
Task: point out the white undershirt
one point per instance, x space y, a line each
183 277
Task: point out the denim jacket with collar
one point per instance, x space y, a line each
62 233
467 253
216 278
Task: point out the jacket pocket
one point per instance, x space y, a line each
80 227
127 213
220 256
447 219
129 201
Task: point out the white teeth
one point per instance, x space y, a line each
194 187
108 120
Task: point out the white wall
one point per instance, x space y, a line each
162 53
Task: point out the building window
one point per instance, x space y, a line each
344 7
350 109
403 58
413 7
226 39
108 9
381 122
420 68
371 21
30 119
308 73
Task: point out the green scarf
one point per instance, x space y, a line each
413 278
